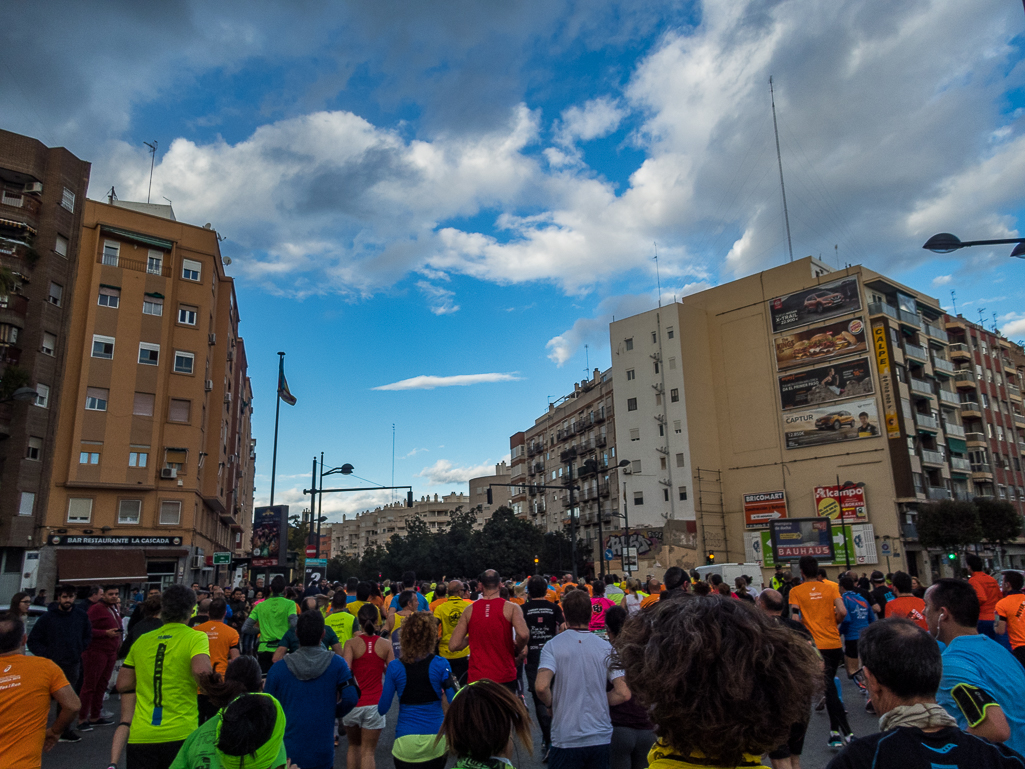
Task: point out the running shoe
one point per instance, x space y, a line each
85 726
544 752
835 740
848 738
70 736
821 704
869 708
102 722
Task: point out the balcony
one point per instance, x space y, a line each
970 410
959 352
935 332
943 366
1019 420
922 387
927 423
981 471
1009 366
960 465
910 318
1014 392
965 379
13 309
937 492
914 351
137 265
1021 446
956 323
881 308
932 457
14 202
953 431
948 398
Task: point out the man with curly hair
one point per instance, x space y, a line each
721 681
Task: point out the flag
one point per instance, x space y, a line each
283 392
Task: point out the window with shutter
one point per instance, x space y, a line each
109 297
129 511
49 345
179 410
170 513
143 406
61 245
111 252
96 398
80 510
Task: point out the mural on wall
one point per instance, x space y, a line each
647 542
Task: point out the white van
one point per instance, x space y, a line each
730 571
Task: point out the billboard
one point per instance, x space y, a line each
882 351
828 300
820 343
831 424
762 508
825 384
270 535
844 503
852 543
794 538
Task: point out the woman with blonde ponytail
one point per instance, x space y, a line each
367 655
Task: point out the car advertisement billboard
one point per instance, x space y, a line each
762 508
842 503
821 343
794 538
813 305
270 532
824 384
847 421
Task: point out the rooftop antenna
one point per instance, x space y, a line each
152 160
393 460
111 195
658 279
953 300
779 158
995 323
587 360
836 251
982 321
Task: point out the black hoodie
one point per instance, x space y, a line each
61 636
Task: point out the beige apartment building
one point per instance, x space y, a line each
799 392
577 427
153 463
501 495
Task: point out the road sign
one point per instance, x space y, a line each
629 559
311 551
608 554
222 559
315 570
885 548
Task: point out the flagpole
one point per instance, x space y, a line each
277 414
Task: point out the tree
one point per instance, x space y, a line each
1000 521
297 529
507 544
949 524
13 378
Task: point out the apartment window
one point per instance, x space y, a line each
149 354
635 433
129 511
187 314
672 364
138 458
656 367
155 262
49 345
629 343
8 334
88 457
630 375
80 510
669 332
170 513
34 450
654 337
631 404
42 395
109 297
191 270
638 498
683 493
662 463
677 426
103 346
68 200
152 306
183 362
179 411
661 431
56 295
658 401
60 245
96 398
635 466
665 495
680 459
674 395
175 459
111 253
26 503
143 406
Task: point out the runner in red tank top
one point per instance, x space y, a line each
367 655
487 626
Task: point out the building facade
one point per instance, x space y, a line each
42 196
153 463
501 495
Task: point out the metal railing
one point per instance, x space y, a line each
966 376
975 437
982 467
949 398
921 386
941 364
910 318
961 464
953 431
932 457
935 332
970 406
937 492
138 265
914 351
958 349
881 308
928 422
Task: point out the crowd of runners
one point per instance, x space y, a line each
674 673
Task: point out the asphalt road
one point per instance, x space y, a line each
94 749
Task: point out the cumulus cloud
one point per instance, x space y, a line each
443 472
942 280
441 300
424 382
596 118
1014 325
335 505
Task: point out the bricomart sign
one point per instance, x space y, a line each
882 351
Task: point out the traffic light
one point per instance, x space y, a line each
952 556
409 498
491 497
535 560
710 558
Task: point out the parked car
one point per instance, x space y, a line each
834 420
820 300
34 613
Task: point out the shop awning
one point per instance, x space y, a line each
957 445
138 237
99 566
155 554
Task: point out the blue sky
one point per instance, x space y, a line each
471 191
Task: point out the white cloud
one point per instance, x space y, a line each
440 299
443 472
335 505
942 280
414 452
597 118
1014 325
424 382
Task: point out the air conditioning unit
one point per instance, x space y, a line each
168 473
209 385
626 471
227 397
212 338
231 355
198 562
34 187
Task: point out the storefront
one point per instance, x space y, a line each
81 560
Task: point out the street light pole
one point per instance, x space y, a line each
591 466
945 243
572 519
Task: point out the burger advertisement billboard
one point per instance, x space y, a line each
825 384
821 343
832 423
813 305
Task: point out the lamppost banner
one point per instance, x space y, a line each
270 528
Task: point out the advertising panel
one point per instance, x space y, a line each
760 509
825 384
848 421
852 543
846 502
794 538
882 350
270 532
820 343
813 305
316 569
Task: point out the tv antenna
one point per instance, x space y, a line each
779 159
658 280
953 300
152 160
982 317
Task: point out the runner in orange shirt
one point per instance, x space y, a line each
223 648
906 605
440 596
26 686
1010 614
654 593
988 591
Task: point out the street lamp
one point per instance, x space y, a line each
945 243
591 466
345 469
21 394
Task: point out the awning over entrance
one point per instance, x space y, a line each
99 566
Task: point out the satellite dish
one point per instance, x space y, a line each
207 226
226 260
